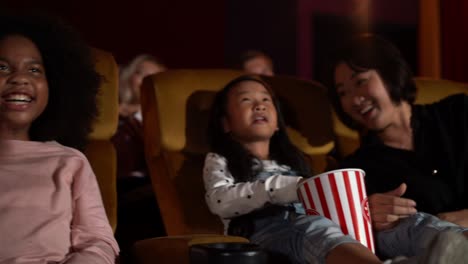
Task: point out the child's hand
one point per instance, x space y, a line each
301 181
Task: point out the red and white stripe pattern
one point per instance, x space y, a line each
340 195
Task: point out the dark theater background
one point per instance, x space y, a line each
208 33
212 33
180 32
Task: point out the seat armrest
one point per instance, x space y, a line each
175 249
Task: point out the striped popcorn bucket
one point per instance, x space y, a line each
340 195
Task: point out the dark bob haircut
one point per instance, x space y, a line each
72 80
240 161
370 52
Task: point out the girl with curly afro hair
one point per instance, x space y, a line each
51 207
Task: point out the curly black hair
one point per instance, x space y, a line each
365 52
72 80
240 160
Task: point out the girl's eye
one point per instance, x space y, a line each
35 70
245 99
3 67
266 99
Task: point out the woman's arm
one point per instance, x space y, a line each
227 199
92 237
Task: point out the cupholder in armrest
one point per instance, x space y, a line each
227 253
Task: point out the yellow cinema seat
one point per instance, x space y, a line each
176 107
100 150
433 90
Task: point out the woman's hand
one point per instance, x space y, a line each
387 208
456 217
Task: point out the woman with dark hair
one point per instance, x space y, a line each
369 52
414 156
251 177
51 207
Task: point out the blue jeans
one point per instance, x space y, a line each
304 239
412 235
308 239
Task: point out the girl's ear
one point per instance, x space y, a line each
226 125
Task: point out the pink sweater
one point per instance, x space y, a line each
51 210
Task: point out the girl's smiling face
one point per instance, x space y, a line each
23 86
250 113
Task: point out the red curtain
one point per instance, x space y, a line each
454 39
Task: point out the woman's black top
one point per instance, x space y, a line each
436 171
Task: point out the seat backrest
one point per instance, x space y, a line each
176 106
346 139
307 113
429 91
100 151
433 90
